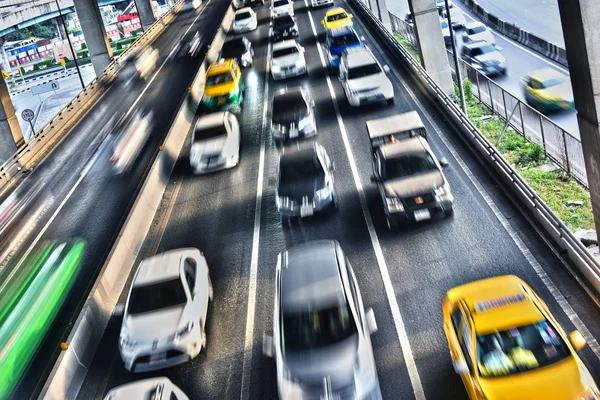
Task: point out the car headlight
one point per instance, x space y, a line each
299 64
394 204
276 69
185 330
282 202
126 341
324 193
443 193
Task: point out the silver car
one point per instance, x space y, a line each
287 60
321 334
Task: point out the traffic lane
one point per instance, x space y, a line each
488 244
215 214
96 210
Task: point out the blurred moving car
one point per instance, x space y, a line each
363 79
337 18
292 115
321 333
320 3
548 90
131 134
16 205
305 182
165 314
240 49
187 45
137 64
409 176
504 343
446 32
457 16
284 27
244 20
191 5
476 31
441 5
287 60
159 388
224 85
484 57
215 143
254 3
337 40
282 7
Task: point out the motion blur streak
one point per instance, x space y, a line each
29 303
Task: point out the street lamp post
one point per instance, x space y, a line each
62 18
461 90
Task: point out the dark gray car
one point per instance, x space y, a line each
240 49
305 182
292 115
321 338
284 27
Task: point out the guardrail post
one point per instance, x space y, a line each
504 102
491 98
568 165
522 119
542 132
478 86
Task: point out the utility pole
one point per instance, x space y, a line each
461 90
62 18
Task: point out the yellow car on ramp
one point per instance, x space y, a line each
337 18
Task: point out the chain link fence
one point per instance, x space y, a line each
560 146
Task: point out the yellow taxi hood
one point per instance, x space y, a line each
220 89
560 381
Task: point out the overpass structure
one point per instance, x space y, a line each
500 225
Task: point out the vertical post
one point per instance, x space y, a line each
478 86
11 136
542 131
522 120
62 18
94 32
491 98
461 89
504 103
566 152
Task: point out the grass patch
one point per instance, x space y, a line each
408 46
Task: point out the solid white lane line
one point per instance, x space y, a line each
89 165
249 335
409 359
556 294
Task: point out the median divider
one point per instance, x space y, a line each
552 227
68 374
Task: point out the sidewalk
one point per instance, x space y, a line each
52 76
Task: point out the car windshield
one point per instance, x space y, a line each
336 17
285 52
241 16
318 328
362 71
476 29
520 349
444 24
156 296
552 82
344 40
288 108
209 133
413 164
280 3
223 77
233 48
283 22
291 171
484 49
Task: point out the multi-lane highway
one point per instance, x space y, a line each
231 217
80 197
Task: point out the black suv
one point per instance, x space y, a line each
240 49
284 27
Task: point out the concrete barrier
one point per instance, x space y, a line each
70 369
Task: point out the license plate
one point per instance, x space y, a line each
306 211
293 133
157 357
221 101
421 215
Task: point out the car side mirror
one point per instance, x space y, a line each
312 102
268 345
577 340
322 22
303 49
498 48
444 162
119 310
362 38
371 322
460 367
332 166
386 68
350 16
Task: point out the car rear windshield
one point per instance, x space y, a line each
233 48
344 40
242 16
409 165
289 107
318 328
209 133
299 170
280 3
484 49
520 349
283 22
217 79
551 82
444 24
336 17
285 52
156 296
476 29
365 70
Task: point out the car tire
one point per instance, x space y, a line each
202 338
390 101
392 224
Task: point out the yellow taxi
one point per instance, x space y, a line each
548 90
505 344
224 85
337 18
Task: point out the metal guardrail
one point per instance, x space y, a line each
559 145
563 239
51 134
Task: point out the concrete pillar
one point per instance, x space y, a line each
381 11
431 42
5 63
580 20
96 39
146 13
62 35
11 136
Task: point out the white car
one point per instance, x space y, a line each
320 3
287 60
364 80
244 20
457 16
130 135
160 388
215 143
476 31
165 314
282 7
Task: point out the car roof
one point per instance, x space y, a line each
359 55
546 74
497 303
220 66
478 43
473 24
161 267
211 120
245 9
336 10
304 153
139 389
310 277
285 44
390 125
291 92
341 31
414 145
